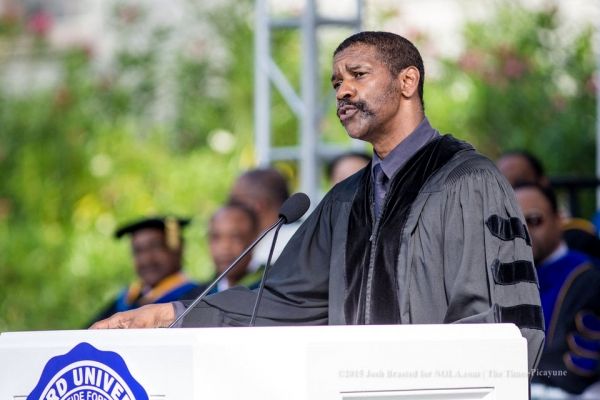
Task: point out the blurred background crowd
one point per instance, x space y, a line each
136 117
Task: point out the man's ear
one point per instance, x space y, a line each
409 79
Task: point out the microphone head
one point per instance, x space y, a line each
294 207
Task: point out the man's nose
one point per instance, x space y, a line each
143 256
345 91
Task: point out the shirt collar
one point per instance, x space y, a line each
407 148
560 252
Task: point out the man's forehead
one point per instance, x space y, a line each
229 213
357 50
533 197
231 219
515 160
147 234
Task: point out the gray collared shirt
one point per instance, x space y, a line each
396 159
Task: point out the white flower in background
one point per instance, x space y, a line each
221 141
101 165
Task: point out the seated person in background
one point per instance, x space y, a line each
263 190
232 228
581 235
520 166
570 293
157 247
346 164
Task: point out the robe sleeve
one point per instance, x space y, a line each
296 289
489 275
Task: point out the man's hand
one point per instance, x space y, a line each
150 316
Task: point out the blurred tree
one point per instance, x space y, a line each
85 155
523 81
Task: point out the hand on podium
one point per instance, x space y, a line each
149 316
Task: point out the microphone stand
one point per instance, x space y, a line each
201 297
264 278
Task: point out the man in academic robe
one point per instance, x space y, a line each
570 293
520 166
157 249
429 232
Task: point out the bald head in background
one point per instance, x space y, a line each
519 166
345 165
263 190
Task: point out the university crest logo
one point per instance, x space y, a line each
86 373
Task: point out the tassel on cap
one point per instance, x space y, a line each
170 225
172 233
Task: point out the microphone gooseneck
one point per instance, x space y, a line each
214 283
290 211
264 278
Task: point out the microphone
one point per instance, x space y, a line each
294 207
291 210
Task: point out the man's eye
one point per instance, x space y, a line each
336 84
359 74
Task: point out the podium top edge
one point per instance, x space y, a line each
420 331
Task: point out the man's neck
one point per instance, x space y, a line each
558 252
386 143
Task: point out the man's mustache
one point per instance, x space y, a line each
359 105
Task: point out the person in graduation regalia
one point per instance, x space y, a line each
429 232
157 248
519 167
570 293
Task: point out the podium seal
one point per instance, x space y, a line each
86 373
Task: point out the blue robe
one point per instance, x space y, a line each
570 295
173 288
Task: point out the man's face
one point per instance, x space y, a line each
516 168
230 232
368 96
543 224
154 261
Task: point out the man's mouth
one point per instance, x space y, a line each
346 112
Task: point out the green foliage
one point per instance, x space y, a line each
84 156
215 87
523 81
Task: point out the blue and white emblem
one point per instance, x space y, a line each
86 373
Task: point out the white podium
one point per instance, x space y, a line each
400 362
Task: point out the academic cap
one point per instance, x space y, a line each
170 225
